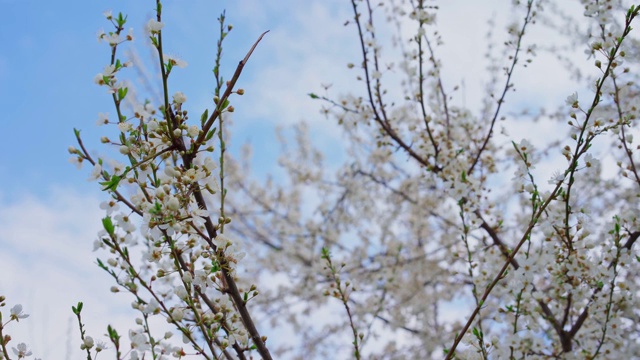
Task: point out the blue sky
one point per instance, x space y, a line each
49 213
49 57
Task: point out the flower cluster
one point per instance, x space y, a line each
20 350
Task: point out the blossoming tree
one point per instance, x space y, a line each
433 210
419 219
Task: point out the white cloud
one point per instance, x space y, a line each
47 265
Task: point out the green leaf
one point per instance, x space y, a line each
121 20
210 134
313 96
215 266
108 225
157 209
122 92
113 334
101 265
204 117
224 105
77 309
112 183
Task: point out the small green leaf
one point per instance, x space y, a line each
224 105
210 134
215 266
313 96
112 183
121 20
157 209
204 117
122 92
108 225
77 309
113 334
101 265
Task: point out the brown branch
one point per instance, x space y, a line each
507 86
230 84
187 159
382 120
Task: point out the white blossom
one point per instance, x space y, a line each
179 98
17 314
153 26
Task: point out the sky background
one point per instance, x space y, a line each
49 212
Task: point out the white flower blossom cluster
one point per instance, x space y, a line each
20 350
